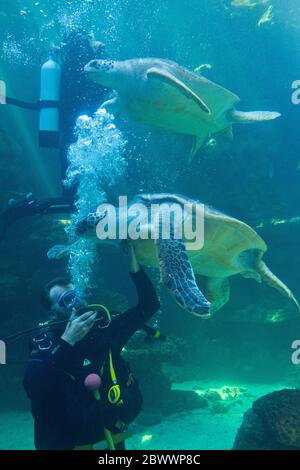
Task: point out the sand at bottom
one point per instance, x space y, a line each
192 430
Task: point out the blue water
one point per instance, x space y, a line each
255 178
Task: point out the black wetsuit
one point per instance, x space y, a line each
65 413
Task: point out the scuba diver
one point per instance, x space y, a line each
65 94
69 411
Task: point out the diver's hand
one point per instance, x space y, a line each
134 266
79 327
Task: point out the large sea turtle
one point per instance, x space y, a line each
161 93
230 247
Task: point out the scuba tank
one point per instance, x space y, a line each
49 126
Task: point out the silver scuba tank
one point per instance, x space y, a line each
49 125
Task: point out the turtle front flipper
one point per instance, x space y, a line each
112 106
58 251
173 81
178 277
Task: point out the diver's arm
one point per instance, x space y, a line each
49 357
133 319
78 327
148 302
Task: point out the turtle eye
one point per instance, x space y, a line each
92 220
95 64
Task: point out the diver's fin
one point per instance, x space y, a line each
178 276
171 80
227 133
217 292
58 251
198 143
273 281
252 116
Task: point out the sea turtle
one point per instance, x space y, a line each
230 247
161 93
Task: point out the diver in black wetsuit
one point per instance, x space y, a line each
66 414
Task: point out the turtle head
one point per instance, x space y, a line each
102 72
86 226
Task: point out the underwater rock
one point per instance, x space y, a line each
252 434
272 423
182 400
171 350
280 410
219 408
156 385
293 376
9 285
213 396
221 399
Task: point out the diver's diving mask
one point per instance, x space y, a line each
69 300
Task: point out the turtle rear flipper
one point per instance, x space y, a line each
197 144
273 281
252 116
178 277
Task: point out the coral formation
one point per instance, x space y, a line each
272 423
156 385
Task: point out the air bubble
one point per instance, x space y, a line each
96 160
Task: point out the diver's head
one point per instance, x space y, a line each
102 72
61 299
